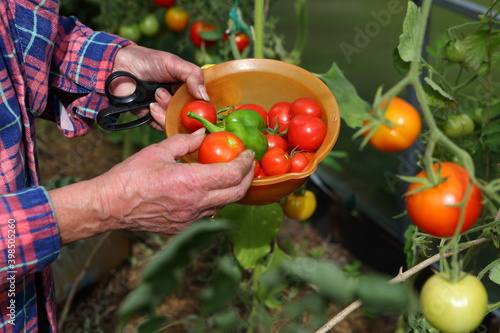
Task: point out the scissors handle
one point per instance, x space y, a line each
142 96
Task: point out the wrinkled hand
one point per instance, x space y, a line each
159 66
151 191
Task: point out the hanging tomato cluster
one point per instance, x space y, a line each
284 138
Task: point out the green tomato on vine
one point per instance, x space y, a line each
457 126
455 50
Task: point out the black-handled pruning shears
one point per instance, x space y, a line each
142 96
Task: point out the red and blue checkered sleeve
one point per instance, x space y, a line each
29 238
81 62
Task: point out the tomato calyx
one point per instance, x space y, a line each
431 180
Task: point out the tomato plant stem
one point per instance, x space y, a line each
259 29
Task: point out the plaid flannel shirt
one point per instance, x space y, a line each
53 67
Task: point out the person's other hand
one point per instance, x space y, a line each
158 66
151 191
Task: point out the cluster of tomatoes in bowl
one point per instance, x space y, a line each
293 130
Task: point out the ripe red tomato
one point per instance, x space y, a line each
306 133
202 108
257 108
176 19
407 126
434 210
220 147
279 116
164 3
454 307
305 106
197 28
300 160
257 169
275 162
275 140
240 38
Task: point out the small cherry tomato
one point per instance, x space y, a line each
275 140
454 307
130 31
202 108
149 25
196 31
300 206
279 116
406 128
457 126
257 108
305 106
434 210
300 160
257 169
241 40
275 162
455 50
220 147
164 3
176 19
306 133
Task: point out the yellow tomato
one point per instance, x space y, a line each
300 206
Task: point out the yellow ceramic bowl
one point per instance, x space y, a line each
263 82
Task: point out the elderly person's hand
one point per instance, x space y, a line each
158 66
151 191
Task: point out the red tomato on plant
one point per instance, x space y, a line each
279 116
257 108
241 40
275 140
275 162
434 210
306 133
197 28
305 106
300 160
407 126
164 3
220 147
202 108
454 307
176 19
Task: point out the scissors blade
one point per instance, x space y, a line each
107 118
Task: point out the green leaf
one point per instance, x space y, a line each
401 66
353 109
164 273
437 98
223 287
407 40
378 295
325 277
269 281
212 35
438 88
479 45
252 230
495 273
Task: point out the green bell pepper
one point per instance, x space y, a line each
248 125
